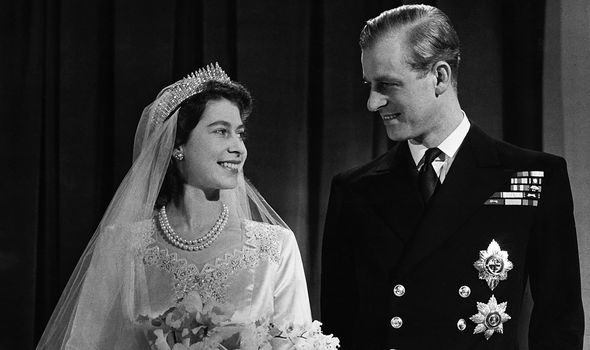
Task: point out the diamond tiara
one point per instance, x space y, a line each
173 96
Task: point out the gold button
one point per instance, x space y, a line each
399 290
461 325
396 322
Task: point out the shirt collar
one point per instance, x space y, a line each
449 146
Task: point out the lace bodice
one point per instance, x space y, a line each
261 274
262 244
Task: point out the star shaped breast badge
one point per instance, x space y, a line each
490 317
493 265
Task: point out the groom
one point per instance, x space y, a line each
430 245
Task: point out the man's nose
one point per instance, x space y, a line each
376 101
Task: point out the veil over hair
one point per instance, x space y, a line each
108 288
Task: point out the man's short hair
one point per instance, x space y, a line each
429 36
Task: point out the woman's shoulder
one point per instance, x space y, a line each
262 229
269 238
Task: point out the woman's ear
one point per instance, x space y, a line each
442 72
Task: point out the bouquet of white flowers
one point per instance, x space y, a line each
194 325
308 337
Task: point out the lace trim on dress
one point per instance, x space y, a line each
143 235
262 244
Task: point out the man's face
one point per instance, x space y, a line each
404 98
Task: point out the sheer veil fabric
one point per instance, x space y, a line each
108 288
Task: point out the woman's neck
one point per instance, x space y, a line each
195 212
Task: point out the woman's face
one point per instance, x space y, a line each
215 152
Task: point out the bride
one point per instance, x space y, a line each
188 255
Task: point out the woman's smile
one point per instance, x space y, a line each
232 166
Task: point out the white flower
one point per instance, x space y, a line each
204 345
174 319
192 302
160 342
308 337
215 313
315 328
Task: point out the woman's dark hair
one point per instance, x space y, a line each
189 114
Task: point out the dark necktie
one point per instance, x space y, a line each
427 177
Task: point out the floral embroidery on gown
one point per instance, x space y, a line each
250 296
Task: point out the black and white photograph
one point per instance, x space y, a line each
302 175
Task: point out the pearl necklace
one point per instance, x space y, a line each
196 244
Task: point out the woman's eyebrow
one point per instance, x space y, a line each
226 124
219 122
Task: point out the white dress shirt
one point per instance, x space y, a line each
449 148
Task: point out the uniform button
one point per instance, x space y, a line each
464 291
396 322
461 325
399 290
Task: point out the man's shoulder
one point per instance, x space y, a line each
514 156
494 152
378 164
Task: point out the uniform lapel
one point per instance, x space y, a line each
473 177
391 189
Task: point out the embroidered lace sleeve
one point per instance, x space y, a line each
264 238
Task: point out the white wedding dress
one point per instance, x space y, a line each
257 270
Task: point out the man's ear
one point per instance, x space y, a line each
442 72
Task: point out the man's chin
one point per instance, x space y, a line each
395 135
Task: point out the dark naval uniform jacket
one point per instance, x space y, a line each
401 274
